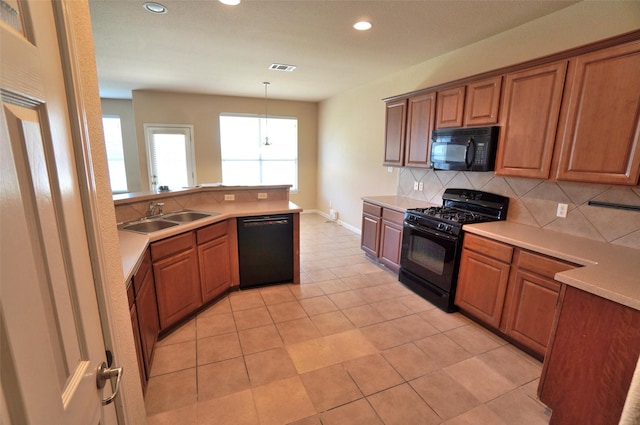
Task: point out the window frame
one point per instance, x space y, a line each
124 159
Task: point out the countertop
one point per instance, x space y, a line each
133 245
398 203
609 271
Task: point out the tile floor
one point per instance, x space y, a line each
350 345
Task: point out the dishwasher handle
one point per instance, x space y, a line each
264 221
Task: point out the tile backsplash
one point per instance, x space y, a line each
534 202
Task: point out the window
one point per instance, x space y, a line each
259 151
170 156
115 153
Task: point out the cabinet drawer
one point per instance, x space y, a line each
212 232
497 250
544 266
141 273
172 246
130 295
393 216
372 209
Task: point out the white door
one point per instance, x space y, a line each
170 156
50 335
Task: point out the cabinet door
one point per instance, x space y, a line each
482 102
147 306
591 361
136 339
396 116
178 287
450 107
529 114
370 240
482 286
420 119
215 267
390 244
601 130
533 302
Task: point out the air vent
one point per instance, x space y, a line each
282 67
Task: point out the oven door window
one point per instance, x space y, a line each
428 254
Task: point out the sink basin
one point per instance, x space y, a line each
149 226
187 216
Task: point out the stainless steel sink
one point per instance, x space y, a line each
149 226
187 216
153 224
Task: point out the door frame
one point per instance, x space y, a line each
85 112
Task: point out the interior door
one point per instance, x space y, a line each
50 335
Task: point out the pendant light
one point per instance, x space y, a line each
266 115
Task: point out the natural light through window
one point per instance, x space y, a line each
170 155
115 153
247 158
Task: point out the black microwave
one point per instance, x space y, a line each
464 149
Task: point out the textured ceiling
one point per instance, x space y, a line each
202 46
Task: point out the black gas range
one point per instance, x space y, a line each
432 241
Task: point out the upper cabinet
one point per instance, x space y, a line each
600 128
529 117
475 104
482 102
420 119
408 130
396 119
450 107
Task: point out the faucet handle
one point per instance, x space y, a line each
160 206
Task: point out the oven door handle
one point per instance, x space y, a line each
432 232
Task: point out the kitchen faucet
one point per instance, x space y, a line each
155 208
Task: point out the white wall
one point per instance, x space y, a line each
351 125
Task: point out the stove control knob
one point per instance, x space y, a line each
441 226
448 228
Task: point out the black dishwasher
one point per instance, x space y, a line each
265 249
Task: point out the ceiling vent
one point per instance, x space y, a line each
282 67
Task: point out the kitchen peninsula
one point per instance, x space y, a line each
175 271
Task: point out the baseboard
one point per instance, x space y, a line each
338 222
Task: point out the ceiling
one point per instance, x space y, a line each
203 46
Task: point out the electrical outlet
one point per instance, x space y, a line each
415 185
562 210
420 186
262 196
229 197
389 169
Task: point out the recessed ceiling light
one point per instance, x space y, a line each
155 7
362 25
230 2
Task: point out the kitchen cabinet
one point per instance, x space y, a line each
396 119
530 110
381 237
593 353
450 107
531 304
214 259
391 238
371 222
483 277
510 289
177 279
599 133
420 122
135 325
147 309
475 104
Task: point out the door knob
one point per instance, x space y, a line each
103 374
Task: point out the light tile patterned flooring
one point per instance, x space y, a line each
348 346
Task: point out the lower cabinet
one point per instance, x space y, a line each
175 269
382 234
591 360
511 290
214 260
